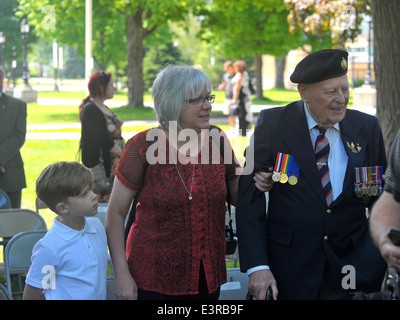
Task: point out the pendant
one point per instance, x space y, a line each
190 197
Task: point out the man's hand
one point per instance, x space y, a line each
259 282
263 180
2 170
391 254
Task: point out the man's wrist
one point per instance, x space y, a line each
254 269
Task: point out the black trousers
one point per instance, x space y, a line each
202 295
15 198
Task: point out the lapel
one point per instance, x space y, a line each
297 137
349 131
3 102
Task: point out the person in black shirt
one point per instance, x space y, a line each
101 138
385 214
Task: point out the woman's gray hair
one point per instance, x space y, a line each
173 86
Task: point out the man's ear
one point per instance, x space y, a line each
302 89
62 208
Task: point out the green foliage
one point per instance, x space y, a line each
157 58
334 21
10 26
243 28
64 21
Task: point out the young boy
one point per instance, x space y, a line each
70 262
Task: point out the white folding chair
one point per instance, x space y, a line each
13 221
4 294
18 252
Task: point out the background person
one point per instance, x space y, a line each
385 213
242 96
101 129
313 227
227 85
12 138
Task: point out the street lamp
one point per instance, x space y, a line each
25 31
2 41
368 76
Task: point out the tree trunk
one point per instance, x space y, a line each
134 51
386 25
280 64
258 63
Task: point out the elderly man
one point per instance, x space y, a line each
12 138
313 242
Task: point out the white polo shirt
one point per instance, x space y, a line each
71 264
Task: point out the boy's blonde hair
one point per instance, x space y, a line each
61 180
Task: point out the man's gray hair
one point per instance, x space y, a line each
173 86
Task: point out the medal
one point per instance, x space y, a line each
286 169
293 180
368 182
284 178
374 190
357 184
276 176
293 171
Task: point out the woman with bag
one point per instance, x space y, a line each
101 142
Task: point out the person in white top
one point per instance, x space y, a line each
70 261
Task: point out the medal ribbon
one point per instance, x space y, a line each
278 162
285 162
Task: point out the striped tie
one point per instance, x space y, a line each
321 155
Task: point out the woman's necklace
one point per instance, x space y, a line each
191 187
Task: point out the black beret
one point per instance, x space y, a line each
320 65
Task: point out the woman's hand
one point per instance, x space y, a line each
125 287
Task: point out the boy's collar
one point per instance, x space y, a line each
67 233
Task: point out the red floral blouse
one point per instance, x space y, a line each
172 234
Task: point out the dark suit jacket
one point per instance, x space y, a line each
300 233
12 138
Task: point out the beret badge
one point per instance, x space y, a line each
343 63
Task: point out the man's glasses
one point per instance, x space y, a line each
209 98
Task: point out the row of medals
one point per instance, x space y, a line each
283 178
367 190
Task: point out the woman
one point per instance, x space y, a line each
242 96
101 138
176 246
